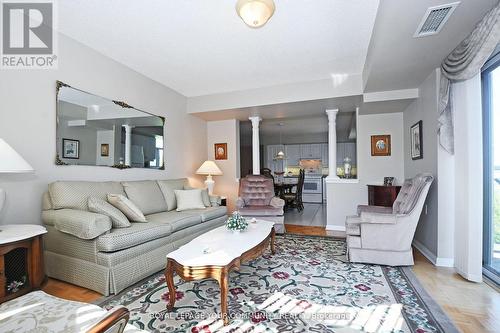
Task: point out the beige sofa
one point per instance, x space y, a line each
82 248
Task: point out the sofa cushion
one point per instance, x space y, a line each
127 207
188 199
103 207
75 194
177 220
146 195
261 211
168 187
137 233
204 195
210 213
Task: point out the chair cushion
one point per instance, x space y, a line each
146 195
75 194
261 211
177 220
168 187
41 312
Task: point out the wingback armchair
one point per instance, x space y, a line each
256 199
383 235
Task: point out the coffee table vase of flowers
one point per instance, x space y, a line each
236 223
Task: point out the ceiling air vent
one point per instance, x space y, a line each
434 19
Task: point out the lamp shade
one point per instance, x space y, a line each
209 168
11 161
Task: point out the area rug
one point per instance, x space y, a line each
307 286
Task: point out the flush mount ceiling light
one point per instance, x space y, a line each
255 13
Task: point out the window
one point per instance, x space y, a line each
491 126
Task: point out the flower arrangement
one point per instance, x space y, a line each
236 222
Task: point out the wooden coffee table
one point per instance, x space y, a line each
214 254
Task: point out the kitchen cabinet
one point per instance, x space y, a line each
310 151
292 153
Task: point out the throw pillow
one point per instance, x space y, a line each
204 195
99 206
188 199
127 207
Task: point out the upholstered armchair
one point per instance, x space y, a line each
256 199
383 235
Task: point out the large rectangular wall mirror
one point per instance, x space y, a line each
93 130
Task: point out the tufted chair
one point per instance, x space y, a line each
383 235
256 199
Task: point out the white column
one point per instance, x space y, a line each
255 144
332 144
128 144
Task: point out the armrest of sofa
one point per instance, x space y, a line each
240 203
374 209
79 223
277 202
215 200
369 217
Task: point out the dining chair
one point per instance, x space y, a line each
294 199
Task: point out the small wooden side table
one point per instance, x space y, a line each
382 195
21 260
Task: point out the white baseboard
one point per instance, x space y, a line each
437 261
335 227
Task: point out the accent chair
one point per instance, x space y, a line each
257 199
383 235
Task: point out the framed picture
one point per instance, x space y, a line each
71 148
388 181
416 149
381 145
105 150
220 151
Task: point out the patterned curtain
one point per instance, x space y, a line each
463 64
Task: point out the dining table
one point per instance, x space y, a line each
281 188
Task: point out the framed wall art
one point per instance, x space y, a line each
381 145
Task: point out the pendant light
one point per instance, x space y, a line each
280 155
255 13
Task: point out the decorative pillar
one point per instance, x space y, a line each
255 144
332 143
128 144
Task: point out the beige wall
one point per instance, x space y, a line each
27 123
226 131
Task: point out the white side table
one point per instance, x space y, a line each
21 259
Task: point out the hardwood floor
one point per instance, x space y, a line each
473 307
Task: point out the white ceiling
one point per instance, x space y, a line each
200 47
397 60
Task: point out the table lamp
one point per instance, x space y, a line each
11 162
210 169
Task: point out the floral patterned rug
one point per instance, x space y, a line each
308 286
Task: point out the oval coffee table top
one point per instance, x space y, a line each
218 247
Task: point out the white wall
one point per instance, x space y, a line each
27 122
226 131
342 197
434 234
